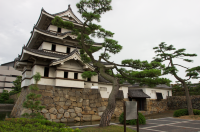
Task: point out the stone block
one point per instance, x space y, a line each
73 115
63 99
64 120
77 119
44 111
56 98
66 115
53 116
79 104
49 87
25 111
87 117
85 112
61 111
79 114
43 87
49 106
70 110
71 107
79 100
65 107
47 93
74 104
101 109
47 100
92 101
59 116
87 108
94 96
91 112
95 118
86 102
66 96
98 104
72 94
100 113
47 116
77 110
53 111
60 103
78 93
85 96
68 102
93 105
72 98
56 120
70 120
58 107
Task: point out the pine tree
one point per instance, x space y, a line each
17 84
32 101
169 53
148 73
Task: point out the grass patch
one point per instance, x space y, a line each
33 125
112 128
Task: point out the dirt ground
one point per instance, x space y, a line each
190 117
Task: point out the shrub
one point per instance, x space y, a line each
30 125
141 118
4 98
10 101
183 112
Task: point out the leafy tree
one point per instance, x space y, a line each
32 101
17 83
148 73
169 53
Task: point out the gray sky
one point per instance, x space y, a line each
139 25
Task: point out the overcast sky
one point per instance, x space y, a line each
139 25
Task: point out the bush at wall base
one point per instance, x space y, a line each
182 112
141 118
33 125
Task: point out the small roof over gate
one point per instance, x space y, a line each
137 93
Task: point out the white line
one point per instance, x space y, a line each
184 127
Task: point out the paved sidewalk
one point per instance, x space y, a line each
168 124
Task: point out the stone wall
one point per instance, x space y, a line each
68 104
14 97
156 106
179 102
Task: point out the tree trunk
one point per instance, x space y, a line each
107 114
189 103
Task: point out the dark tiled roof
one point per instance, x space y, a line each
157 86
137 93
69 8
55 34
42 52
120 95
66 56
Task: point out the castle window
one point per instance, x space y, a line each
59 30
65 74
88 79
53 47
75 75
68 50
46 72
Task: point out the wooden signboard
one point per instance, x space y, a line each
130 112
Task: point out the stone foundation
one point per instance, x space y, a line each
68 104
155 106
179 102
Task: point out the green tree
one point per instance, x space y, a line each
169 53
148 73
17 84
32 101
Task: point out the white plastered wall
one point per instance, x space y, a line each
53 28
89 84
61 48
46 45
105 94
125 91
69 83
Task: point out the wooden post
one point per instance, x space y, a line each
124 117
137 118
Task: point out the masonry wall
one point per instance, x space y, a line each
179 102
68 104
